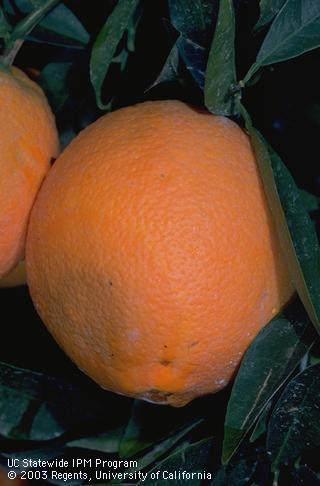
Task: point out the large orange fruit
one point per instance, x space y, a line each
28 141
151 254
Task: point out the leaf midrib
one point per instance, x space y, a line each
290 36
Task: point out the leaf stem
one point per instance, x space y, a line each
254 68
22 29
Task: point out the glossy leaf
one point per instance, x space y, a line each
150 424
268 10
294 426
24 27
268 362
39 407
295 30
106 43
60 26
169 71
193 19
105 442
297 234
194 57
260 427
159 450
221 71
191 458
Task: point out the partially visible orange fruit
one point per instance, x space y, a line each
28 142
151 253
16 277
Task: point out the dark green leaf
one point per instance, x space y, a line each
160 449
295 229
268 10
149 424
306 476
194 57
105 442
53 81
193 18
295 422
250 465
24 27
60 26
221 71
295 30
4 26
169 71
106 43
39 407
65 25
191 458
268 362
310 201
261 426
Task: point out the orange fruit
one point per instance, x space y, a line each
28 142
16 277
151 253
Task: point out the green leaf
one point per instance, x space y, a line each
105 442
190 458
194 58
266 365
294 426
295 30
169 71
149 424
53 81
260 427
310 201
24 27
4 26
39 407
60 26
296 231
159 450
106 43
221 72
268 10
193 18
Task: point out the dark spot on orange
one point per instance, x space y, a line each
165 362
162 175
193 344
110 283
